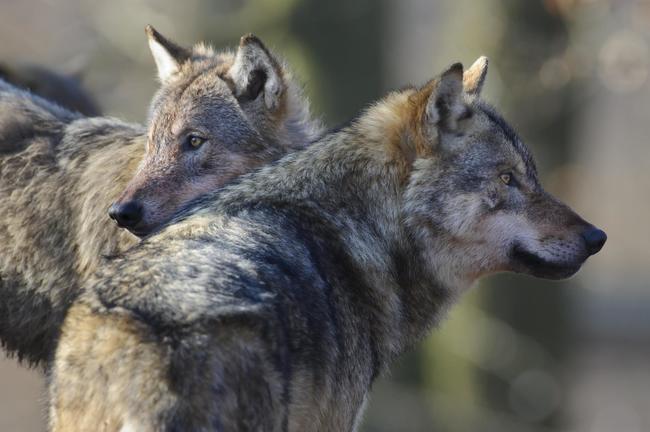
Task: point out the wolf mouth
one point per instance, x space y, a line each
537 266
141 232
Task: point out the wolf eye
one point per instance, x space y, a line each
506 178
194 141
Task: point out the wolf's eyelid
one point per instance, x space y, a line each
192 130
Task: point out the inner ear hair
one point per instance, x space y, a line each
256 80
461 122
256 71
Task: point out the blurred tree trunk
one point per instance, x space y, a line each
349 59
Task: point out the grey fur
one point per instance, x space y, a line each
55 168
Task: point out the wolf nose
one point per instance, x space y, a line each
595 239
126 215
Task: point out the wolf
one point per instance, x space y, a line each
274 303
60 172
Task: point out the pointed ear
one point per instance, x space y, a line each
168 56
445 106
256 71
474 77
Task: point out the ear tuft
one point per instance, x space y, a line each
256 71
249 39
150 31
168 56
474 77
455 69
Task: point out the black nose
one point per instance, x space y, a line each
126 215
595 239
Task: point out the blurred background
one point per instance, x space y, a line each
517 354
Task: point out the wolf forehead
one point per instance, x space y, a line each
203 73
206 85
503 143
202 98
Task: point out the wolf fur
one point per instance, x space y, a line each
275 303
60 172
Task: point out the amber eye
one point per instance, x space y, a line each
195 141
506 178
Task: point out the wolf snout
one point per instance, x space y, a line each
126 215
594 239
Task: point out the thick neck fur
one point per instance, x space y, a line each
299 127
356 180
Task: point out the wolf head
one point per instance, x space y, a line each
216 116
474 198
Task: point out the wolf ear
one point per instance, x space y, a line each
474 77
445 105
168 56
256 71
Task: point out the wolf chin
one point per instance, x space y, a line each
274 304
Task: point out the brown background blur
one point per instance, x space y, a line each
517 354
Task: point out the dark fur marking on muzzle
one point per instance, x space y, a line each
539 267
